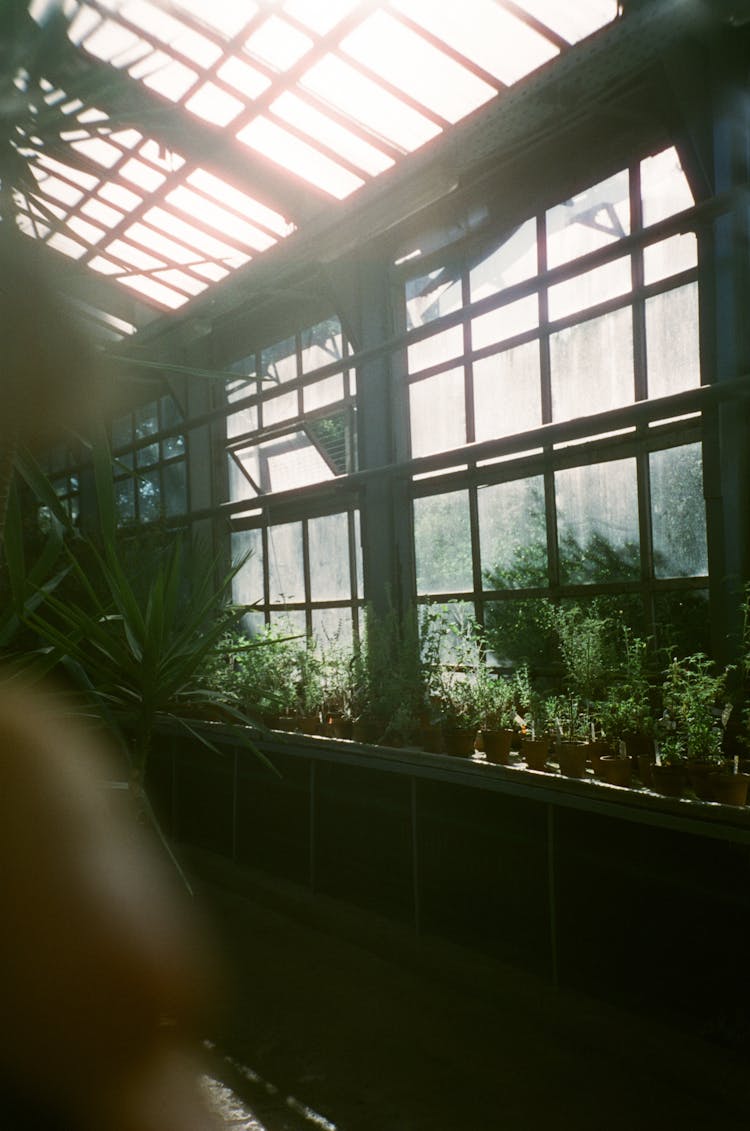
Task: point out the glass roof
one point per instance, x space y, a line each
250 117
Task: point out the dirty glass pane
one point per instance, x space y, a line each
678 512
437 413
593 218
430 296
432 351
246 419
597 522
332 628
248 582
290 622
174 487
324 392
442 543
122 432
669 257
285 568
328 543
518 631
672 342
591 365
125 499
288 462
514 260
146 420
149 496
590 288
507 392
664 186
173 446
278 409
321 344
513 534
148 456
505 322
682 621
278 363
358 555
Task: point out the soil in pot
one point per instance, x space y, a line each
496 745
571 758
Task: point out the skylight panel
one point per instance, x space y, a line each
85 21
182 280
72 248
104 266
91 233
572 21
304 117
149 237
195 237
244 78
31 227
298 157
277 43
57 189
98 150
501 44
97 210
134 255
407 61
211 271
120 196
128 139
172 79
364 101
152 289
85 180
163 158
214 104
239 201
228 17
142 175
180 38
108 39
216 217
320 18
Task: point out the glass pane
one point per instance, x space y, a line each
122 432
668 257
278 363
321 345
149 496
240 486
148 456
278 409
672 342
682 621
591 366
174 487
322 393
432 351
664 186
332 628
125 500
678 512
358 556
597 522
514 260
594 218
246 420
518 631
507 392
288 462
505 322
513 534
146 420
437 412
442 543
582 291
173 446
248 582
431 296
285 568
328 544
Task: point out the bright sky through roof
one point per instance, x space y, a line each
319 96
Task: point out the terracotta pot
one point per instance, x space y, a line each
700 775
669 780
614 770
368 731
459 741
731 789
340 726
597 750
571 758
496 745
534 752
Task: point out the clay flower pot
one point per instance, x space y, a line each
496 745
534 752
614 770
571 758
459 742
731 789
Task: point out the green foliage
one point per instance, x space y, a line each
693 696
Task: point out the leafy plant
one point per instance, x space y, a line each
695 711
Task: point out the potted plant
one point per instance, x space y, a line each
583 642
534 709
694 716
497 708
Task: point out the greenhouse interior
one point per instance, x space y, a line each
375 521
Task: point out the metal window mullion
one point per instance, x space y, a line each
306 574
467 364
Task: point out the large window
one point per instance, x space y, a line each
150 462
587 307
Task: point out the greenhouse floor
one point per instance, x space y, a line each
343 1021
